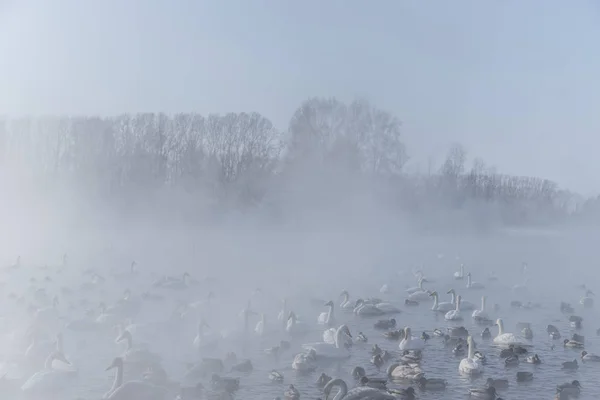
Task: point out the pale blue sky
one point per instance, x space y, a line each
515 81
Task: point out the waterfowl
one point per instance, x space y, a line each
305 362
205 338
570 365
460 274
497 383
361 337
385 324
373 382
276 376
486 393
224 384
356 393
323 380
480 314
346 304
441 307
410 343
524 376
291 393
573 344
432 383
49 379
464 305
534 359
527 333
470 365
511 361
506 338
578 338
403 394
575 321
405 371
418 288
455 315
327 318
585 356
364 309
553 332
140 358
570 389
132 390
295 327
411 356
587 300
335 350
473 285
486 334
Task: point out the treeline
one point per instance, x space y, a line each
198 165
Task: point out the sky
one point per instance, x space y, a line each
514 81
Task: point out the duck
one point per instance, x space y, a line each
534 359
573 344
385 324
570 389
497 383
524 376
486 334
511 361
553 332
432 383
403 394
486 393
570 365
323 380
585 356
373 382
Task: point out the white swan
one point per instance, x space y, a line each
336 350
327 318
139 357
261 325
473 285
357 393
470 365
366 309
418 288
482 313
388 308
409 342
459 275
205 338
464 305
346 305
304 362
454 315
283 315
441 307
295 327
49 379
132 390
506 338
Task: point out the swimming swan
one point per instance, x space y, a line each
357 393
454 315
327 318
464 305
132 390
441 307
481 314
418 288
470 365
49 379
473 285
506 338
459 275
409 342
346 305
336 350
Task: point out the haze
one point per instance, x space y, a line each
514 82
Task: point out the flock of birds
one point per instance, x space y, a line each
33 338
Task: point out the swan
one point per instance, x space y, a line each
419 296
409 342
418 288
473 285
388 308
327 318
205 339
336 350
329 337
587 300
464 305
506 338
132 390
261 325
454 315
305 362
470 365
346 305
283 315
177 284
441 307
459 275
357 393
49 379
139 357
410 371
364 309
48 317
481 314
295 327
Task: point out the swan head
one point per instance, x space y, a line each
451 291
434 293
117 363
589 293
58 355
329 304
407 333
359 302
499 322
345 294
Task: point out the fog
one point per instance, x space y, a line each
275 152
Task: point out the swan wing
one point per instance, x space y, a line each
329 335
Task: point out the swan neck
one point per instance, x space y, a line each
118 378
49 361
338 336
458 303
453 294
483 303
468 280
471 352
435 301
343 389
500 327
